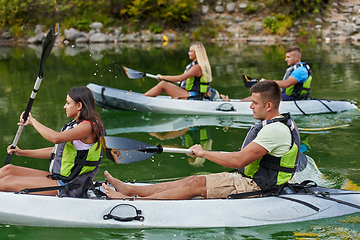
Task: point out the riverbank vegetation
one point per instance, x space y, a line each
19 17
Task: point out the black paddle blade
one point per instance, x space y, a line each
47 46
248 81
124 150
302 162
130 73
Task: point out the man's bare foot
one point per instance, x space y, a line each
113 181
225 97
111 193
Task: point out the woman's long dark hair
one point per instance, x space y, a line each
88 110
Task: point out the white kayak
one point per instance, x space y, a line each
113 98
51 211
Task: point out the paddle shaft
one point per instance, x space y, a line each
177 150
150 75
25 116
180 150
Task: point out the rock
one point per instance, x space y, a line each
117 33
219 9
32 40
72 34
6 35
256 39
230 7
100 38
238 20
347 28
204 9
258 26
243 5
92 31
96 25
82 40
40 37
38 29
287 39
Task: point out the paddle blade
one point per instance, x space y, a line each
248 81
302 162
124 150
47 46
132 74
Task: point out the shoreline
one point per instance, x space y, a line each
342 25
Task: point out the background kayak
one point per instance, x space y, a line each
112 98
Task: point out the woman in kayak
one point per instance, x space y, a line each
75 158
195 81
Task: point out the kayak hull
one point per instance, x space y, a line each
49 211
113 98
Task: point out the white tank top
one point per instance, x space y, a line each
79 145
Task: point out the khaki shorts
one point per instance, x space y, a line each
220 185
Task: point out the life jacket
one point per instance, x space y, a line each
299 90
69 164
197 84
270 172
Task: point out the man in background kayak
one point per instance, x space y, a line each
266 161
296 81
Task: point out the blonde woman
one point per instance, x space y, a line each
194 82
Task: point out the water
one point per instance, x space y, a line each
331 140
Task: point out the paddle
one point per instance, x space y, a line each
124 150
133 74
248 81
47 46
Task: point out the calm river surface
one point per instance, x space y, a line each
331 139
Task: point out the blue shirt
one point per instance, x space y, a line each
301 74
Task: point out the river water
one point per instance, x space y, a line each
330 139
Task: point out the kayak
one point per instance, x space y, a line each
51 211
98 212
112 98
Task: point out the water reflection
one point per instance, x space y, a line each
189 136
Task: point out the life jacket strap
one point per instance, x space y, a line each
277 167
67 187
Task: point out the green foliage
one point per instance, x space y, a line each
80 14
171 12
208 30
16 31
155 27
299 8
83 24
277 24
250 9
13 12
